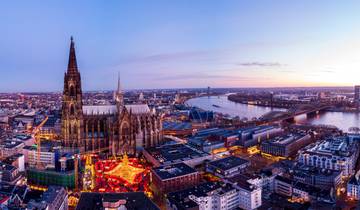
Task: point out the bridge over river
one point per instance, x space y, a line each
291 113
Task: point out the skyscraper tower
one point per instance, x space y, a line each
72 114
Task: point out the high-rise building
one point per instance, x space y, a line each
118 128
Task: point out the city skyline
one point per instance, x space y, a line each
180 45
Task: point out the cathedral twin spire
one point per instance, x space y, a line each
72 65
73 70
119 97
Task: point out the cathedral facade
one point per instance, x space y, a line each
117 129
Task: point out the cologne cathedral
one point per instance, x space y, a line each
117 128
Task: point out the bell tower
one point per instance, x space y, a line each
72 115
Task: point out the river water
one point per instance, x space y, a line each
341 120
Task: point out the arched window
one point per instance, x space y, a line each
72 90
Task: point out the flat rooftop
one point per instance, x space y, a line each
167 125
174 152
285 139
338 146
131 200
181 198
10 144
228 162
172 171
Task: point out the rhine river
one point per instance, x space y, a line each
342 120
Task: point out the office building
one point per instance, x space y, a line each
337 153
174 177
175 153
227 167
206 196
285 145
353 187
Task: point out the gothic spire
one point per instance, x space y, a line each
118 85
72 65
119 97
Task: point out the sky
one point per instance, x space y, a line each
180 43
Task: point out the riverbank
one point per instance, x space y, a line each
334 109
342 120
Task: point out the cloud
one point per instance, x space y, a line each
261 64
202 76
161 57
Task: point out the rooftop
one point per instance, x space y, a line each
285 139
51 193
131 200
138 108
10 144
99 109
7 167
228 162
339 146
175 152
167 125
168 172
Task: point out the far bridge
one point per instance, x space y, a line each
291 113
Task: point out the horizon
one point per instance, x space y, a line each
178 45
194 88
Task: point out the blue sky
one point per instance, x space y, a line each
180 43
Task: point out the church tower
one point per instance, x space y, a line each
119 95
72 113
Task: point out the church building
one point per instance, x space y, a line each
118 129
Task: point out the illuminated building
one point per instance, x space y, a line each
254 135
197 115
109 201
322 178
17 160
337 153
249 194
51 129
177 128
211 139
28 140
54 197
9 174
227 167
285 145
121 128
206 196
174 177
300 192
176 153
10 147
46 156
353 187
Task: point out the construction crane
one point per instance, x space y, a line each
38 141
